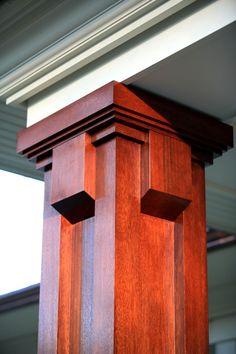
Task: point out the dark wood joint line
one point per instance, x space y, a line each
118 129
44 162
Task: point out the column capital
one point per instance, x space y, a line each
132 108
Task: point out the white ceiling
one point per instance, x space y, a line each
202 76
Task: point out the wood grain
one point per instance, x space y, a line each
74 197
69 288
166 161
133 107
195 267
87 287
103 312
144 268
133 301
48 301
124 254
60 289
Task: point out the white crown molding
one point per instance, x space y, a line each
73 51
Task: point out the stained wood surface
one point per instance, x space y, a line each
49 285
144 270
74 197
191 294
103 305
60 289
115 102
165 162
195 267
124 246
69 288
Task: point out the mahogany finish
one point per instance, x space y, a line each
165 159
49 296
70 196
115 102
124 256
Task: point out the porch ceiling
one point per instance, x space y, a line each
202 76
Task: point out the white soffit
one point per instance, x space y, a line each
103 33
201 76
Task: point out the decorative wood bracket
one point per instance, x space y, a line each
72 197
166 162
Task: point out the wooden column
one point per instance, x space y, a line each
124 250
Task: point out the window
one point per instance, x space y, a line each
21 215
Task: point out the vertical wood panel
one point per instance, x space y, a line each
69 288
87 290
195 267
179 291
144 268
59 322
166 161
48 304
104 250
